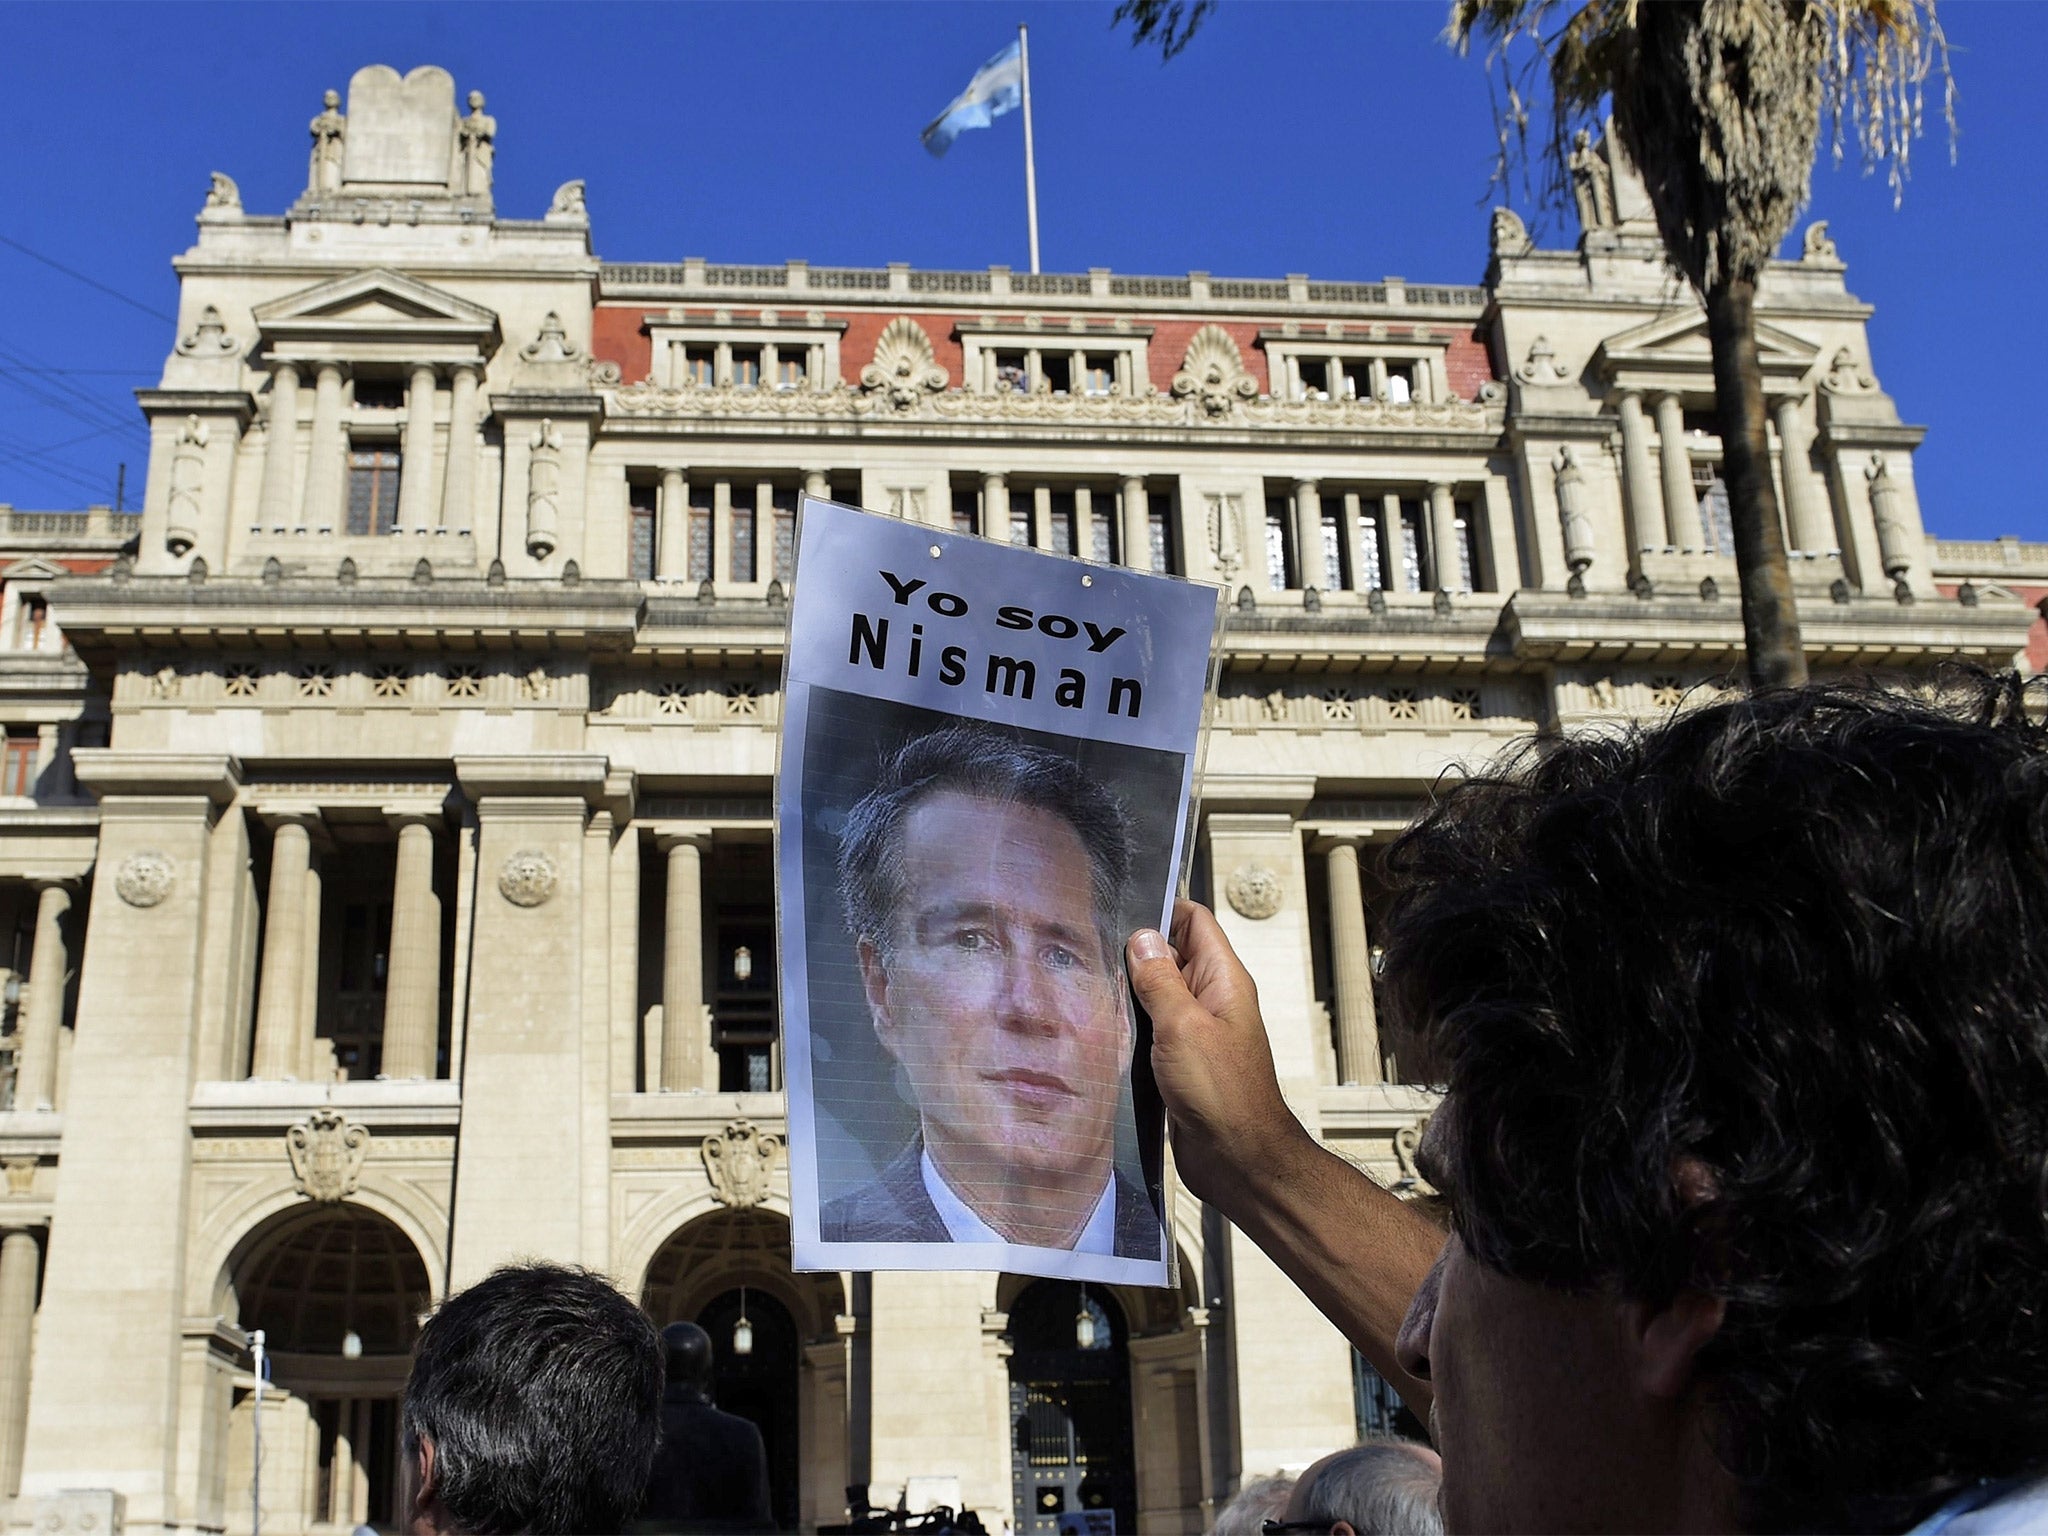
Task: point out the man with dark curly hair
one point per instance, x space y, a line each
1743 1026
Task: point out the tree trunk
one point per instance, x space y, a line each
1770 618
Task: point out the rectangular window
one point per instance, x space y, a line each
700 535
640 532
1057 370
379 395
1101 515
1357 380
1466 564
18 772
372 490
1020 518
1400 383
743 543
1101 375
746 367
789 370
35 617
1336 568
965 504
1370 553
700 366
1411 546
1162 539
1062 532
1277 573
1011 373
785 534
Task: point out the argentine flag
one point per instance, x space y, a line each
997 87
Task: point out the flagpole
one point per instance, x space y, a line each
1030 165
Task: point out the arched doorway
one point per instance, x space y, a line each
760 1385
1070 1408
792 1385
338 1292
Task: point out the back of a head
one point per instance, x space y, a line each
1257 1501
1794 941
1381 1487
540 1388
688 1351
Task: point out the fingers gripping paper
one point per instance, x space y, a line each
987 761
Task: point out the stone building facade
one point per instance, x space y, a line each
387 857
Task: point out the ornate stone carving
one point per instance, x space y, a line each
1212 373
527 878
544 490
905 368
1541 365
327 1154
1894 544
603 374
1572 513
145 879
1226 533
1592 184
475 136
1846 376
1817 246
1507 234
568 203
1407 1142
188 468
209 337
1254 891
223 196
552 345
21 1174
330 132
741 1163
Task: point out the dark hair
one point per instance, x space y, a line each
540 1387
1803 939
989 764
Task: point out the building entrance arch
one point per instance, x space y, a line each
1070 1407
338 1291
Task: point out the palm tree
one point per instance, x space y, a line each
1720 104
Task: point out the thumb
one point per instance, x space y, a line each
1156 978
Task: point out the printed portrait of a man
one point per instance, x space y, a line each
983 881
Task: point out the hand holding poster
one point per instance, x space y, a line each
987 761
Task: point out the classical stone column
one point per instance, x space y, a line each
280 992
416 466
1137 525
35 1075
1812 526
323 504
818 484
995 508
672 528
1358 1033
1681 502
412 988
280 448
1444 564
458 483
18 1264
682 966
1308 536
1639 476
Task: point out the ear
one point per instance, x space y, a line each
1342 1528
422 1518
1667 1339
874 982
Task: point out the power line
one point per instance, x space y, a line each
77 276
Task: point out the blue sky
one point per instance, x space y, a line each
1341 140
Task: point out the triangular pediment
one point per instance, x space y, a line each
375 300
32 568
1679 343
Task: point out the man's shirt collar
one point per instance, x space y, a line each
964 1226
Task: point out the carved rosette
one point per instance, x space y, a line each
527 878
144 879
905 369
1254 891
740 1161
327 1154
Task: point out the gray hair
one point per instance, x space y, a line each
1260 1500
1382 1487
988 764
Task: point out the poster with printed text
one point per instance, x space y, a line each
987 764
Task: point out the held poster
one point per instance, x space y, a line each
987 759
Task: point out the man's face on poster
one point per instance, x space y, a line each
994 993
